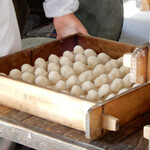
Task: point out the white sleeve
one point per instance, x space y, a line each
10 40
56 8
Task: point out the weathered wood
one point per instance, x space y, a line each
44 103
145 5
110 123
130 104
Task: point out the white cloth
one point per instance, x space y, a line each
10 40
57 8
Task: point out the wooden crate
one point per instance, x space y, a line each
78 113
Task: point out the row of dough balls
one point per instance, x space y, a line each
81 73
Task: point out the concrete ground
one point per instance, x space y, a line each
136 27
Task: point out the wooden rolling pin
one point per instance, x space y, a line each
139 63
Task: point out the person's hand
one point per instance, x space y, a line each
67 25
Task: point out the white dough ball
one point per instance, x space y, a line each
82 96
40 71
67 71
53 67
110 96
117 85
66 92
103 58
111 64
54 76
81 57
65 61
92 95
79 67
15 73
85 76
40 62
2 74
87 85
53 58
136 85
115 73
124 70
28 77
122 91
73 80
98 70
92 61
27 68
120 61
104 90
127 81
100 80
69 55
61 85
42 81
76 90
78 50
89 52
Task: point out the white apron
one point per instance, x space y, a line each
10 40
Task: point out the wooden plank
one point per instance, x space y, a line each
130 104
93 122
145 5
44 103
112 48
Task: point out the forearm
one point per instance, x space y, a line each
57 8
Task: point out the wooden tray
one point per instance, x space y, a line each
78 113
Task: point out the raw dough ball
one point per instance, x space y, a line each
66 92
98 70
115 73
78 50
54 76
65 61
76 90
73 80
2 74
92 61
27 68
87 85
110 96
85 76
117 85
124 70
92 95
104 90
136 85
81 57
67 71
60 85
15 73
103 58
42 81
100 80
122 91
53 58
69 55
40 71
82 96
79 67
127 81
28 77
40 62
120 61
89 52
111 64
53 67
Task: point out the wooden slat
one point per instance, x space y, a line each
129 105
